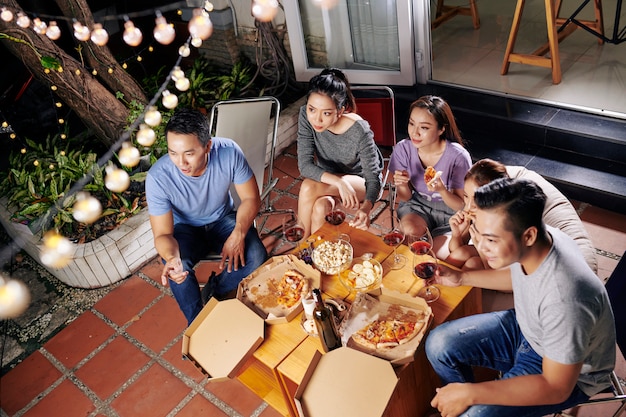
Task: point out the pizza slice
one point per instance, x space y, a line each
405 331
388 338
431 175
291 287
368 336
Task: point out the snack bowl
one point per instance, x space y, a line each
332 256
365 274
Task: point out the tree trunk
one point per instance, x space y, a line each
100 57
97 107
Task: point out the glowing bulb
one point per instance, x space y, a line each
177 73
124 65
325 4
87 209
169 100
6 15
53 87
57 250
14 298
110 70
264 10
182 84
132 35
81 32
23 150
39 26
150 48
152 117
36 163
116 179
46 70
139 58
184 51
23 21
94 72
63 136
12 136
58 104
200 26
129 155
208 6
5 125
60 69
164 33
77 72
196 42
99 35
145 135
53 31
61 121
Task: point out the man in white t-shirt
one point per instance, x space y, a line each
192 211
556 349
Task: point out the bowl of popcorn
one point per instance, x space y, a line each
332 256
365 274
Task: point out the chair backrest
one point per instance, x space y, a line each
616 287
249 123
376 104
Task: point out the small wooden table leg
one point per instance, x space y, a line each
517 17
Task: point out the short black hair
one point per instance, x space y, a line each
190 122
522 200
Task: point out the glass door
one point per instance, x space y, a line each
372 41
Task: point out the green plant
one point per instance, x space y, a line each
201 91
234 82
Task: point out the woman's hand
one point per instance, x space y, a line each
347 193
460 224
401 178
362 216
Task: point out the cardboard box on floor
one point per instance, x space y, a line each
274 269
222 337
347 381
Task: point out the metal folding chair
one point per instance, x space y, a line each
376 104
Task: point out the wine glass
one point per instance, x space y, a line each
394 238
337 214
425 267
420 243
293 229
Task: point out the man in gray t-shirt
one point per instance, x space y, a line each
556 349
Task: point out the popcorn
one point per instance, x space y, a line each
332 257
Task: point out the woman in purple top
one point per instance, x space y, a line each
434 140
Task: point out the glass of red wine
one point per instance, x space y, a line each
394 238
293 230
336 215
425 267
420 243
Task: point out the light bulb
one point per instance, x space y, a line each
99 35
14 298
145 135
264 10
39 26
152 117
177 73
6 15
164 33
116 179
169 100
196 42
23 21
53 32
132 35
182 84
87 209
129 155
57 250
200 26
325 4
208 6
184 51
81 32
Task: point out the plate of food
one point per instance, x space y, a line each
365 274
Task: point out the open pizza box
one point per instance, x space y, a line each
258 290
387 304
222 337
345 382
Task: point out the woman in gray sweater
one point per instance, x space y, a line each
337 155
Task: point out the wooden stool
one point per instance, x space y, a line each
445 13
555 36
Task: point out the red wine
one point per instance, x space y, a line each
425 270
294 234
336 217
420 247
325 323
393 238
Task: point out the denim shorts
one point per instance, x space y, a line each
436 213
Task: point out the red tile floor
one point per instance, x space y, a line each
123 356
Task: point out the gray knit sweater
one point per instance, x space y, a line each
353 152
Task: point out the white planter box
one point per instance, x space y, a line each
98 263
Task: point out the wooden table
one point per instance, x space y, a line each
278 365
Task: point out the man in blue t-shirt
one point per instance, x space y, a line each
192 211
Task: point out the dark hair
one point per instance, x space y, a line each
486 170
522 200
442 113
333 83
190 122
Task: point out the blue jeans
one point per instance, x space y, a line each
493 341
195 242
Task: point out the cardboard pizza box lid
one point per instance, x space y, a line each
274 268
345 382
222 337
